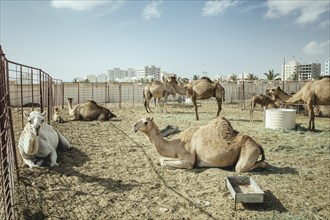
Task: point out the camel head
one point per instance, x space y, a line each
143 125
35 119
69 100
274 91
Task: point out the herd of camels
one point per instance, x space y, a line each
216 144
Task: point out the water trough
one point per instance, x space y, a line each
280 118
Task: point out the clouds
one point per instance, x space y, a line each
307 11
151 10
214 8
315 48
77 5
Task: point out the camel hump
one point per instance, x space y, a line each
157 82
206 78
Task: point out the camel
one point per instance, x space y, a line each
312 93
216 144
203 88
39 140
278 94
262 100
157 90
56 116
89 111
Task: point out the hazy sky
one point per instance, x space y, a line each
69 39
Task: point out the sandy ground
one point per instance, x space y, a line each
113 173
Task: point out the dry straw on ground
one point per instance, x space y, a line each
113 173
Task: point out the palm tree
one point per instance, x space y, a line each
271 75
195 77
251 76
295 76
234 77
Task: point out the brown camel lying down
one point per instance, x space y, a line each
214 145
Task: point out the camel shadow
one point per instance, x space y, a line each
276 170
271 203
67 165
246 120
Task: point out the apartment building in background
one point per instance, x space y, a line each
149 72
327 67
303 71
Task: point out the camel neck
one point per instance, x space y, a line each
163 147
283 96
179 89
30 142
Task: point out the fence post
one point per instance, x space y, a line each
119 95
133 94
40 92
78 92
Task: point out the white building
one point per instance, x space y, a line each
327 67
304 71
148 72
117 74
101 78
289 70
91 78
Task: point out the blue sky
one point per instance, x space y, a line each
69 39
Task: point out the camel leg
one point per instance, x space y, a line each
195 106
164 104
185 163
219 101
53 158
264 116
248 157
311 124
146 104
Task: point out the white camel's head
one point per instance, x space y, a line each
143 124
35 119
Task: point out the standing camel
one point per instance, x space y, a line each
262 100
203 88
157 90
89 111
313 93
214 145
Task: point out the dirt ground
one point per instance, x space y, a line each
113 173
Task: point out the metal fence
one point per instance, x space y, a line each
21 87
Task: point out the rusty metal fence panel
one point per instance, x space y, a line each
8 159
22 88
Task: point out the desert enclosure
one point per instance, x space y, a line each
113 173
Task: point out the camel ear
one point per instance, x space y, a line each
26 114
278 87
150 118
44 113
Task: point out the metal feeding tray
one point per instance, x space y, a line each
244 190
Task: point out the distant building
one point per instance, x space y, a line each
101 78
309 71
327 67
148 72
117 74
303 71
91 78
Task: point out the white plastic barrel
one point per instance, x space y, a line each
280 118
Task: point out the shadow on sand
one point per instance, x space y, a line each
271 203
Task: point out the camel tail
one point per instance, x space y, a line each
262 152
63 142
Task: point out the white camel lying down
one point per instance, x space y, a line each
214 145
39 140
